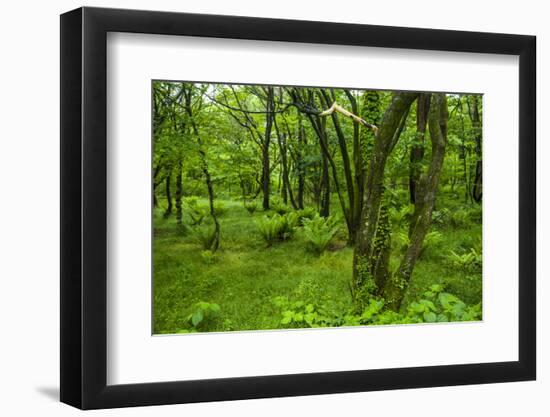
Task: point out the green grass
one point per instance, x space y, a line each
244 275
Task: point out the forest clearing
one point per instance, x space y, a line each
294 207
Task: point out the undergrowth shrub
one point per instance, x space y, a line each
470 261
434 306
279 207
208 256
277 227
220 208
205 235
318 232
431 240
201 317
251 206
400 215
197 211
306 213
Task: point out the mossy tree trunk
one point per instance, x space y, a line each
168 192
204 167
417 148
476 124
266 172
421 220
179 195
368 266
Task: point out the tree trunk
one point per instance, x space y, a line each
324 209
364 280
168 210
476 124
287 188
348 176
417 148
204 166
266 173
395 288
300 164
179 195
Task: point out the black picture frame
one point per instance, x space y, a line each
84 207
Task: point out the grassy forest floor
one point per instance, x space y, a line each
244 276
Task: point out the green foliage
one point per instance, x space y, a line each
306 213
244 277
208 256
277 227
201 316
204 235
435 306
432 240
318 232
399 216
251 206
220 208
470 261
280 208
459 218
197 211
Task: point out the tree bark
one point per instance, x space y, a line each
208 179
348 176
324 209
395 288
476 124
417 148
283 149
168 210
266 173
179 195
300 164
363 284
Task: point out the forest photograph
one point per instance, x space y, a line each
284 207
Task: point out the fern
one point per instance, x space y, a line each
204 235
319 232
251 206
277 227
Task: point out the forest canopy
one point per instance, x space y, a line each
294 207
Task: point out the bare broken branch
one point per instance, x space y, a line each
339 109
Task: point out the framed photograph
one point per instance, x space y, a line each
257 208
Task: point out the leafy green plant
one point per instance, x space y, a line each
208 257
306 213
318 232
300 314
431 240
277 227
205 235
197 212
220 208
439 216
434 306
398 216
470 261
202 315
439 306
459 218
251 206
280 208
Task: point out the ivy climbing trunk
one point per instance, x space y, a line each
421 220
367 264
